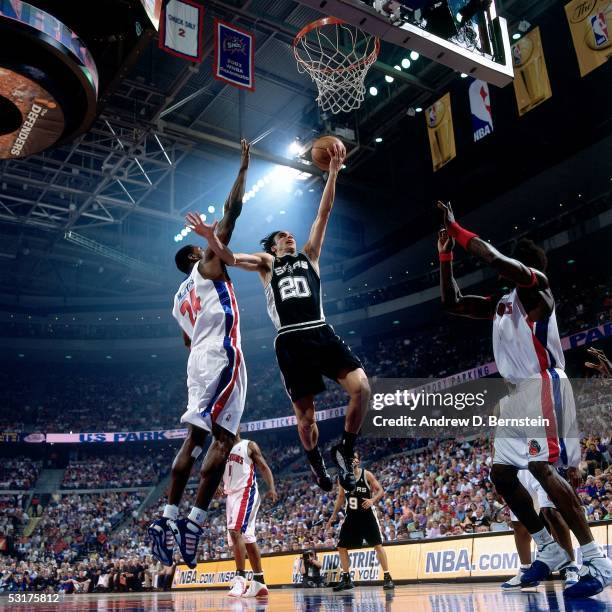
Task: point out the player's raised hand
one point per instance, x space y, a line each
445 242
603 365
245 156
447 210
337 155
195 222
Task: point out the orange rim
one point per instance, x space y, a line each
319 23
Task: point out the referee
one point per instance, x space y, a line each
360 523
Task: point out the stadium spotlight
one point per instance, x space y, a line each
295 148
516 36
406 63
373 91
414 56
399 68
379 139
389 78
418 109
211 209
464 75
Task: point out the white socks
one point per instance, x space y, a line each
198 516
170 512
590 550
542 537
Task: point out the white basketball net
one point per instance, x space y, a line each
337 56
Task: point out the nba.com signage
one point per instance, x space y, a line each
475 556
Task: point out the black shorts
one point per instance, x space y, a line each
305 356
357 527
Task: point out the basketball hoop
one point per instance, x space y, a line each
337 56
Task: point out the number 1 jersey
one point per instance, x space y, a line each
294 294
207 310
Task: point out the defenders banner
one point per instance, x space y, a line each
531 82
471 556
590 23
441 132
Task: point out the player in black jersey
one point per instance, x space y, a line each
307 348
360 523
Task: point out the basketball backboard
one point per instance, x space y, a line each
478 45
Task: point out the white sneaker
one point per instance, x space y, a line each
550 558
238 586
515 582
571 575
594 576
256 589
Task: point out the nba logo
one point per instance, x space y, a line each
599 25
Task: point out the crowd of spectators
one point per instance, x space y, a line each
111 472
18 473
74 524
438 489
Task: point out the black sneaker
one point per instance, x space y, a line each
317 465
388 584
345 584
344 463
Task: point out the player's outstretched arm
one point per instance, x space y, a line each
233 204
312 248
472 306
507 267
264 468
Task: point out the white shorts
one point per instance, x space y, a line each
549 398
216 386
538 494
241 510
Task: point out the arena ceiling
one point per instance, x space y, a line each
161 121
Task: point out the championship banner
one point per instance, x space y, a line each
180 29
441 132
590 23
531 82
480 105
470 556
234 55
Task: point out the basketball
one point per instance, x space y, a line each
320 156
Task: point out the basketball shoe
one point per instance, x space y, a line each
317 465
256 589
238 586
549 558
595 575
344 463
345 583
516 582
162 540
187 535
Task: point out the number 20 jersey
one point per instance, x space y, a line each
207 311
294 294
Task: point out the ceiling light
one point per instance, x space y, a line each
414 56
516 36
389 79
406 63
379 139
211 209
373 91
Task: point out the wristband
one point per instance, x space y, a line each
461 235
446 256
532 283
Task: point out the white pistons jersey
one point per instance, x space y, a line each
523 348
207 310
239 473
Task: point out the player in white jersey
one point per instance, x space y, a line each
529 356
206 310
242 504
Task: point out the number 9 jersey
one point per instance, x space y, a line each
208 313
